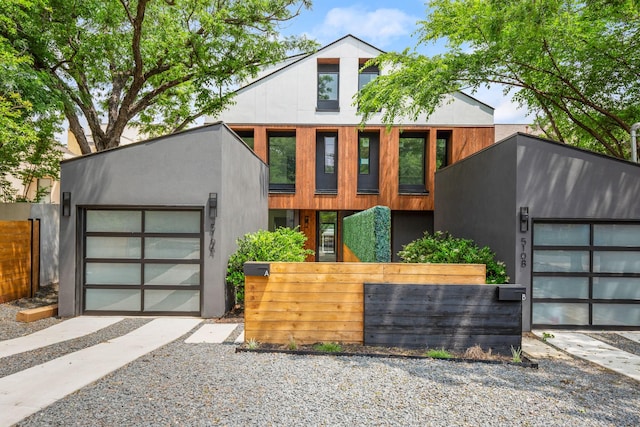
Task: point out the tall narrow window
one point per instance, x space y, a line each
247 137
368 162
443 148
412 163
328 86
366 75
44 190
327 162
282 162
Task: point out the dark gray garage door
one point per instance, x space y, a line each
142 261
586 274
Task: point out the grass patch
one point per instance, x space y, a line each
328 347
438 353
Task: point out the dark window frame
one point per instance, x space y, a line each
443 154
328 104
413 188
326 182
282 187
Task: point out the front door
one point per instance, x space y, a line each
327 236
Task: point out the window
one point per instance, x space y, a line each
328 86
327 236
282 162
327 162
279 218
412 163
247 137
44 190
366 75
368 163
443 148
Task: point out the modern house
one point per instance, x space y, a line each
299 117
566 221
148 228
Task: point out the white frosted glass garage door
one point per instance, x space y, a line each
142 261
586 274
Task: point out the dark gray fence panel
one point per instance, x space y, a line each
454 317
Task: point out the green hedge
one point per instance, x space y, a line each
368 234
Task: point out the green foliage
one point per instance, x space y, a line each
516 355
444 248
571 63
328 347
368 234
252 344
438 354
283 244
155 65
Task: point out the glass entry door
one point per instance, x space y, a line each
142 261
328 237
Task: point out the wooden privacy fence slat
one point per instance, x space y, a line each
19 259
315 302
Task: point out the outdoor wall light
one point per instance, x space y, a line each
524 219
66 203
213 205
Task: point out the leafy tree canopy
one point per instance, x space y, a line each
155 64
575 64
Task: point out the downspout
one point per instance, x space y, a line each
634 146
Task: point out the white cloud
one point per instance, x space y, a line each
379 27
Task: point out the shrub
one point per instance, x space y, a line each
443 248
283 244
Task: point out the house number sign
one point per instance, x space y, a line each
523 254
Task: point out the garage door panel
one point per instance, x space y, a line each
172 300
561 314
627 235
110 273
616 288
553 234
113 299
563 261
172 274
616 314
616 262
114 247
171 248
561 287
114 221
172 222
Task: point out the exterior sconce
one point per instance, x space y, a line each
213 205
524 219
66 203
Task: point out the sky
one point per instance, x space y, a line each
389 26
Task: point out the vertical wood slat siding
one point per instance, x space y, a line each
315 302
465 141
454 317
19 243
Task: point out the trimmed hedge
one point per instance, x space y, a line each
368 234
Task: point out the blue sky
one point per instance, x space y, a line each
388 25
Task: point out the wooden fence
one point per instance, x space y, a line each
19 259
315 302
454 317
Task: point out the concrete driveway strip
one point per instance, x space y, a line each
595 351
33 389
64 331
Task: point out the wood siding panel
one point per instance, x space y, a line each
465 141
315 302
19 274
453 317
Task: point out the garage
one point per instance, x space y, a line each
148 228
586 274
142 261
564 220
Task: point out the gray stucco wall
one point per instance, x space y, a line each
176 170
48 214
407 226
480 197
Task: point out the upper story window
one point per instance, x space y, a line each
328 86
282 162
366 75
326 162
368 162
412 162
443 148
247 137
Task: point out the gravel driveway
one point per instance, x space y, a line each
209 384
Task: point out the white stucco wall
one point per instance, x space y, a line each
288 96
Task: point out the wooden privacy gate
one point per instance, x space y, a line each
19 259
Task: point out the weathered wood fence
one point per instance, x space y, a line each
315 302
19 259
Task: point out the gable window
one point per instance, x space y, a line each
247 137
443 148
412 163
328 86
366 75
282 162
327 162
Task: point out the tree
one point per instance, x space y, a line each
155 64
28 114
573 63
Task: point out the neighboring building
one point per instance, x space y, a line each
565 220
506 130
148 228
299 117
